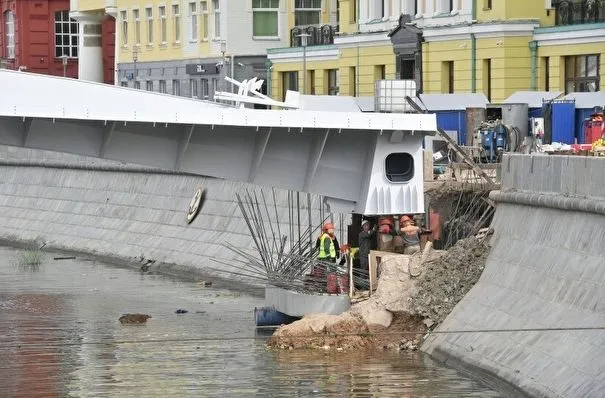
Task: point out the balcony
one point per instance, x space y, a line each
318 35
574 12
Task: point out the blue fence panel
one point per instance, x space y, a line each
563 121
453 120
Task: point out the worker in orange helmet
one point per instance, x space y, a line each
327 244
410 234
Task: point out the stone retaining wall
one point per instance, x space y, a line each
546 270
123 211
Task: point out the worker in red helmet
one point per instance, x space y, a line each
327 246
410 234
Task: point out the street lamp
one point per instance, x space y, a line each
303 40
135 58
64 59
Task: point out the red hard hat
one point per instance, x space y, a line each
328 226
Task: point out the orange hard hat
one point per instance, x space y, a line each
328 226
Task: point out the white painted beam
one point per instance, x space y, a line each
107 133
319 144
260 145
183 144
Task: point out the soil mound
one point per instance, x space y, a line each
445 280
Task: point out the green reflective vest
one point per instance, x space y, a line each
326 248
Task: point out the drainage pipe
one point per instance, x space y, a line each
533 49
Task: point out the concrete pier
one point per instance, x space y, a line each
546 270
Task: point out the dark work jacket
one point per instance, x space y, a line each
365 244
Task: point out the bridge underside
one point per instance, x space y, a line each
329 162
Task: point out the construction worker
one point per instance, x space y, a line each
365 244
327 243
410 234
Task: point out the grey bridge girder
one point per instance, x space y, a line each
310 160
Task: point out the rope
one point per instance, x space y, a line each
255 338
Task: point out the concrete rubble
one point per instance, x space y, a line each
414 294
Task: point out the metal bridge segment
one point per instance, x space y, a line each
341 155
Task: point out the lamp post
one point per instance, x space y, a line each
64 61
303 40
135 58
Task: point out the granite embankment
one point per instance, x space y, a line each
124 212
546 270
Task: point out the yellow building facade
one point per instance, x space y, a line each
346 62
517 46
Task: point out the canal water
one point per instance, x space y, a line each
60 336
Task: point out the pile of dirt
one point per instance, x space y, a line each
347 331
445 280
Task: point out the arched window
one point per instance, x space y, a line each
9 28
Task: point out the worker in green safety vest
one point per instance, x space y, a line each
327 247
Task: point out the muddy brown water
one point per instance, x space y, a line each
60 336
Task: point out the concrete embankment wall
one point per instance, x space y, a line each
546 270
121 211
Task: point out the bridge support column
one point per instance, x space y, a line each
90 44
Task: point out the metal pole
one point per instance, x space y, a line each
304 90
232 70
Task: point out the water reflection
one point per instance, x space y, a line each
59 336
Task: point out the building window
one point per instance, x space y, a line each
352 81
204 89
487 78
204 9
214 85
193 20
176 21
176 87
137 27
289 82
487 4
193 88
137 84
265 18
163 27
310 82
9 24
149 16
149 85
332 82
379 72
352 11
399 167
447 77
163 86
571 12
216 6
546 73
582 73
307 12
66 35
124 27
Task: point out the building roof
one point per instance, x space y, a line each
587 100
532 98
452 102
42 96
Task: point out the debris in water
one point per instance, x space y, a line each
180 311
204 283
65 258
134 319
